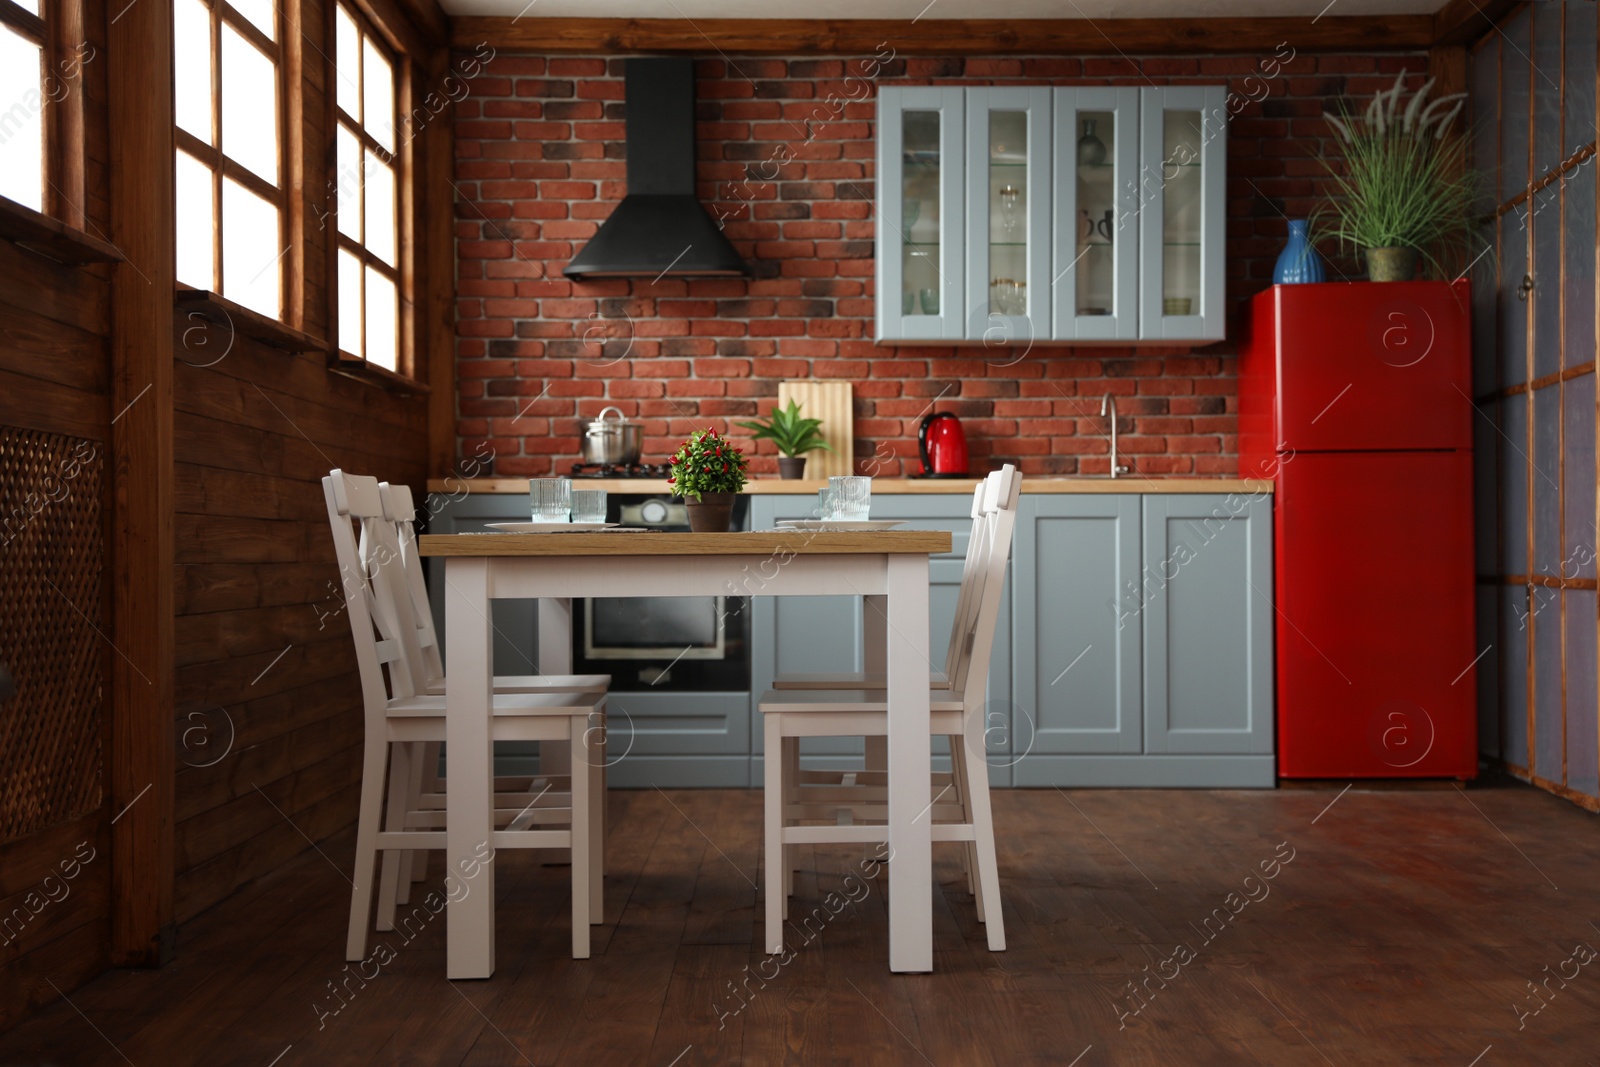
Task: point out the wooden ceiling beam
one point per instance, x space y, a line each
1464 21
946 37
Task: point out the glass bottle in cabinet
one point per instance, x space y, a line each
919 247
1183 134
1008 216
1096 224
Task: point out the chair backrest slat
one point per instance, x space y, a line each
346 497
977 545
971 675
401 510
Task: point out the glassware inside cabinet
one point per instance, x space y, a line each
1008 212
1097 222
1181 212
919 214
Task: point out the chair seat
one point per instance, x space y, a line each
849 680
538 683
505 704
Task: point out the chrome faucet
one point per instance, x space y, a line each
1108 406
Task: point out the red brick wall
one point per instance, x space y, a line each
539 162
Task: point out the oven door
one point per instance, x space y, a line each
650 627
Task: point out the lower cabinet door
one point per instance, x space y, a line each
1076 672
1206 603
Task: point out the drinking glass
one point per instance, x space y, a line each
588 505
930 301
827 504
853 497
551 499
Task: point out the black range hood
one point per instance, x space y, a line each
659 229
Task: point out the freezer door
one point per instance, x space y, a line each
1374 367
1375 616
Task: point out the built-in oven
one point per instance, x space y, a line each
663 643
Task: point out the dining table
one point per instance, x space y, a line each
887 568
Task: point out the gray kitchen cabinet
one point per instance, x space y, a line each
1077 664
1144 640
790 634
1207 611
1021 215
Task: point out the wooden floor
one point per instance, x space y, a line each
1398 928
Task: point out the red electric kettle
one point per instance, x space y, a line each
943 445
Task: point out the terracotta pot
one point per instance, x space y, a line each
712 513
1391 264
791 467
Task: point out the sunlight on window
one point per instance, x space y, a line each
21 121
196 223
251 254
249 105
258 13
349 303
380 209
377 85
347 63
382 320
349 178
191 49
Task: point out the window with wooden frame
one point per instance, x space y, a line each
230 182
370 188
42 56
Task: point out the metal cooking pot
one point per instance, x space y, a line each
615 441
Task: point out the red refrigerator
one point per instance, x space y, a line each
1355 398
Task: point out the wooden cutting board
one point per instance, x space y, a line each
832 403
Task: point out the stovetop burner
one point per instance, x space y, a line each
621 470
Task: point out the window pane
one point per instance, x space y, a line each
349 207
349 303
30 6
382 315
250 250
259 12
191 57
377 83
21 129
380 209
249 106
347 63
196 223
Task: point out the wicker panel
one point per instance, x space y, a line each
51 556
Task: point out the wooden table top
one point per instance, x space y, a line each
650 543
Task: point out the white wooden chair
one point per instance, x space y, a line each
397 717
961 809
400 509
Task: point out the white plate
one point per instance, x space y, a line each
550 527
841 525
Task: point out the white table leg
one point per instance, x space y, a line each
874 649
555 657
469 771
910 821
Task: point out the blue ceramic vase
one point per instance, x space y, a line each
1299 261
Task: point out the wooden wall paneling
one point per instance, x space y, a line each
946 37
1464 21
139 64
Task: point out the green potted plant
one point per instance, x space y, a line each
1404 191
793 434
708 472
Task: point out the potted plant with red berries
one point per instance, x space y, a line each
708 472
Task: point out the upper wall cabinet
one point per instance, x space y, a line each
921 255
1010 216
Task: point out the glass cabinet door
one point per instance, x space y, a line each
1183 137
1008 216
921 185
1095 295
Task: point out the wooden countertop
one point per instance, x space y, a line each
651 543
884 486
